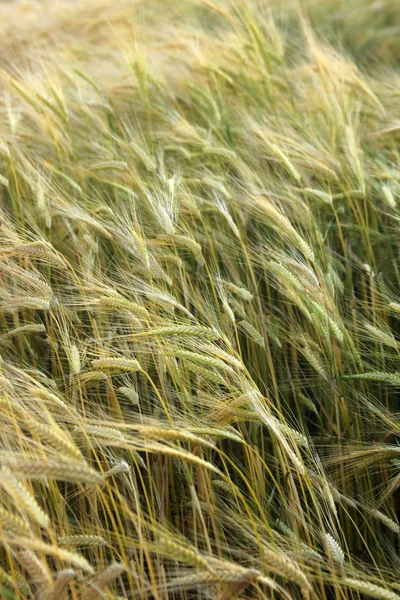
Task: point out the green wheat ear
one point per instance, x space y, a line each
8 594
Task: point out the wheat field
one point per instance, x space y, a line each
199 300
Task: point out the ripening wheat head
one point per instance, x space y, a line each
199 300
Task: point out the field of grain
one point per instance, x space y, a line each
199 300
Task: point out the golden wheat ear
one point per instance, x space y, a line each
199 300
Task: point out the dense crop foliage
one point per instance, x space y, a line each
199 300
